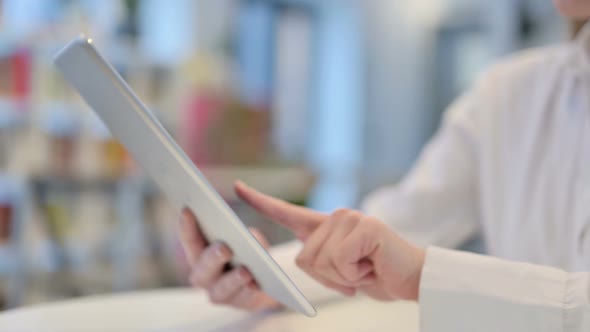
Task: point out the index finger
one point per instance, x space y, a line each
300 220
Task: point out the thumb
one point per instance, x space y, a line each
300 220
260 237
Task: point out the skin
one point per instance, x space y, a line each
346 251
573 9
236 287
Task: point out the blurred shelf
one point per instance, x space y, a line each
288 183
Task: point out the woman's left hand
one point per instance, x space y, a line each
346 250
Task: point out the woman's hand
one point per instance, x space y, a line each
346 250
236 287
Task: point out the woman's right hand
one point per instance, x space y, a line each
207 262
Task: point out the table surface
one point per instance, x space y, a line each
174 310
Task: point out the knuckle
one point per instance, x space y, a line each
216 255
213 298
340 213
217 293
340 263
338 258
348 216
196 278
354 219
322 265
236 278
214 295
371 221
348 275
359 216
243 295
302 261
339 268
337 254
368 224
207 257
249 301
331 284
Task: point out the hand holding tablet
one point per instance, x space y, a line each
208 261
163 160
345 250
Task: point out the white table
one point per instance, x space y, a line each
186 310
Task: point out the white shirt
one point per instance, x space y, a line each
512 160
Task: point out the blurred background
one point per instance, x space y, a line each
315 101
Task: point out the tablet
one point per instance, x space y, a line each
163 160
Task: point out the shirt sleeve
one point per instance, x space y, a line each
468 292
437 202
